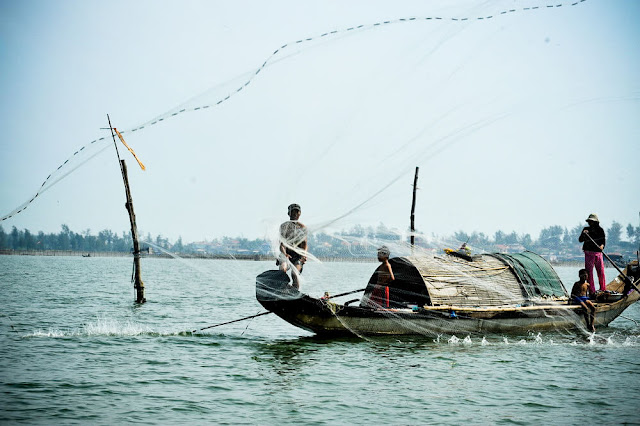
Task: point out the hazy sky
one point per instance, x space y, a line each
518 121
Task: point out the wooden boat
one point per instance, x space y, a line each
489 293
617 259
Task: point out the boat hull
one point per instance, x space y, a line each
323 317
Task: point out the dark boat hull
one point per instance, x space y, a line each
324 317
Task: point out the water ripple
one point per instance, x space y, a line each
62 354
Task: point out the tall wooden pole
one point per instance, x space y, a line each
413 210
137 282
138 285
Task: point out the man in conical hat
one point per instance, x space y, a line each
593 241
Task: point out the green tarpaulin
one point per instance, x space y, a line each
536 275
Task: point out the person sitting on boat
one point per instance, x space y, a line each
463 252
580 296
384 275
293 244
594 240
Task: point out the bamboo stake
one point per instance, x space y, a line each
138 285
413 211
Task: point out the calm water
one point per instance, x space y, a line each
75 349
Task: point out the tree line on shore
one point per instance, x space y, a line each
556 239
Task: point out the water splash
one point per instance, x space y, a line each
111 327
538 339
52 332
100 327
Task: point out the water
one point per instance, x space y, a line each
75 349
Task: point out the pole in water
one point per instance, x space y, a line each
137 280
413 210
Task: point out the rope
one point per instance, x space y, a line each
630 319
269 60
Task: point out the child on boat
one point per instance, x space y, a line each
580 296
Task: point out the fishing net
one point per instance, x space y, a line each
337 120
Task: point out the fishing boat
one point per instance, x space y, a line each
617 259
448 294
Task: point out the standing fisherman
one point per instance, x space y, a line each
593 241
293 244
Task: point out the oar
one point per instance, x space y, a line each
268 312
629 280
344 294
229 322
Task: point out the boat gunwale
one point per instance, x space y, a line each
341 309
318 315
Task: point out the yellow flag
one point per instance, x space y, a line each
130 150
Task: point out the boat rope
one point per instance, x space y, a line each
630 319
245 329
270 60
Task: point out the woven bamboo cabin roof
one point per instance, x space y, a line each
486 280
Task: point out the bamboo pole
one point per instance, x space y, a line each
137 282
138 285
413 210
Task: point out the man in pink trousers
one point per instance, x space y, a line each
593 241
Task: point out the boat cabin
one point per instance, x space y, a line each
487 280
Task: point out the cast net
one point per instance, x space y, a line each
338 120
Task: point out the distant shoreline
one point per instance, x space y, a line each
220 256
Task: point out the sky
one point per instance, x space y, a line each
520 114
